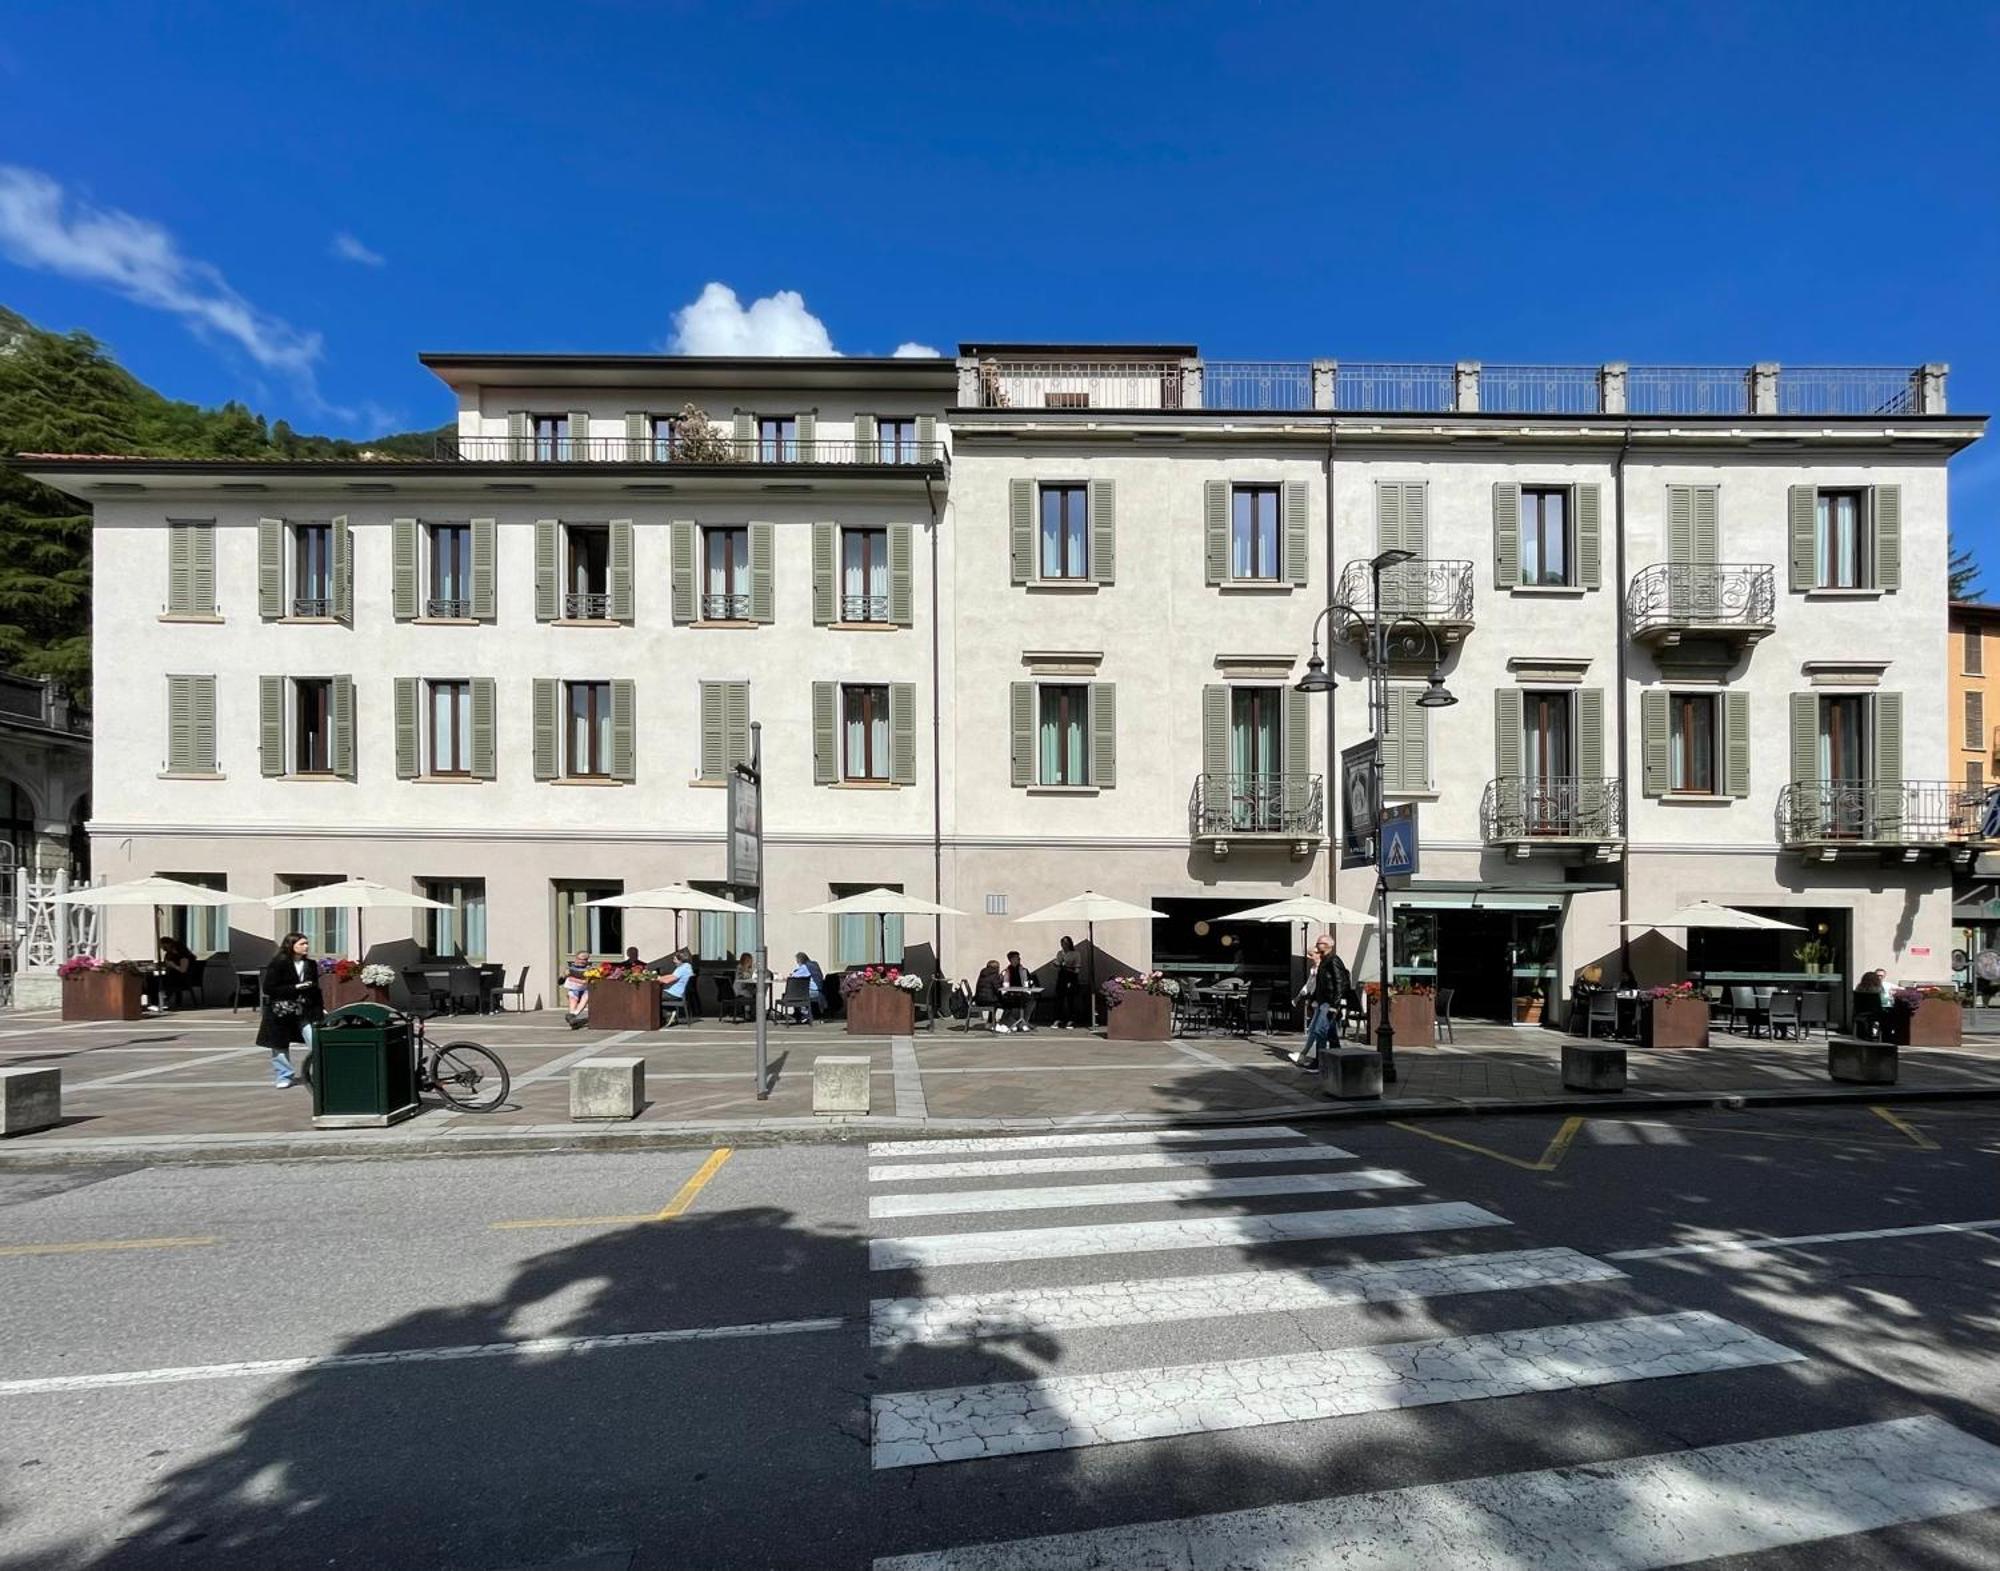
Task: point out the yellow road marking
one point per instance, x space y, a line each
1549 1160
696 1184
1922 1141
683 1198
104 1243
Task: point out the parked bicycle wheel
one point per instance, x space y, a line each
469 1076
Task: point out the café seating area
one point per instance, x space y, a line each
1770 1012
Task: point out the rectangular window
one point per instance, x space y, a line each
204 929
1253 532
1975 722
312 726
897 442
325 927
665 437
1692 743
1065 734
1840 544
1549 791
450 571
864 732
1065 551
723 935
863 938
587 576
449 716
864 575
587 755
777 439
1843 740
551 437
458 933
1975 652
599 931
1975 776
1256 783
725 574
1545 553
312 570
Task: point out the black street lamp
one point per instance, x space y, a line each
1407 635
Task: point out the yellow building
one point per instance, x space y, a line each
1973 718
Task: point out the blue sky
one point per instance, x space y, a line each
286 204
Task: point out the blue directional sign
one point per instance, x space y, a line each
1398 854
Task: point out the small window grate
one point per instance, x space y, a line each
996 905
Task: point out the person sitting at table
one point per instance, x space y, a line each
1019 983
632 960
989 994
679 984
177 974
1870 1002
808 968
577 991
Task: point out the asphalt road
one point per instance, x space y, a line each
1544 1334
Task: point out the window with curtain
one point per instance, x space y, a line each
450 725
312 725
1692 743
204 929
864 575
1545 555
897 440
312 570
587 585
864 750
1843 739
598 930
1841 548
1065 734
450 570
723 935
551 437
1253 532
1065 538
589 740
460 930
864 938
778 440
666 433
725 554
325 927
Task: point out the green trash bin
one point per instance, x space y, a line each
364 1069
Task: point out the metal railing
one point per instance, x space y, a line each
1844 390
1679 594
1540 389
1395 389
586 607
1256 384
1080 384
725 608
1868 812
311 605
1425 589
1223 805
458 610
686 453
1687 390
1552 807
864 608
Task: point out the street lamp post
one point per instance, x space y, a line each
1382 636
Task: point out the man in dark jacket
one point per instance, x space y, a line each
1325 994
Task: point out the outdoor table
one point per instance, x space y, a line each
1021 999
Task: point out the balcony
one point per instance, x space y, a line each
586 607
725 608
711 452
311 606
1260 809
1908 821
1669 601
1432 591
864 608
448 610
1557 812
1080 384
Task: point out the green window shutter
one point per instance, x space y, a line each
548 728
1413 729
735 723
1707 524
180 569
1103 735
1022 757
342 738
1298 752
865 449
619 578
714 738
403 603
1589 534
1889 748
744 429
1656 775
624 724
548 545
1680 523
1506 534
180 725
1416 517
1736 744
1805 737
899 575
201 569
826 733
1590 733
1888 518
637 445
271 725
1507 725
761 593
482 728
903 733
343 572
1802 520
1391 743
202 710
1298 550
520 435
1215 529
1103 531
485 568
1215 729
927 439
1388 516
681 569
806 423
1021 530
579 435
270 568
826 546
409 758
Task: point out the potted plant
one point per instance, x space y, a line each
1928 1016
1815 953
1412 1012
1141 1007
881 1000
623 998
1676 1016
1528 1007
340 983
94 989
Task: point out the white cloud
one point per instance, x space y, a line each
778 324
41 226
915 351
349 249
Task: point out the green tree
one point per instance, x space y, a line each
1963 570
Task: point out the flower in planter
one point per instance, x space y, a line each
910 982
378 976
635 975
340 968
1910 997
78 965
1157 983
1672 990
1403 989
853 981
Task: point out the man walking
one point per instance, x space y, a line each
1325 991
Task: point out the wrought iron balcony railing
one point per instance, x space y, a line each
1868 812
1256 384
1080 384
864 608
715 450
1288 805
448 610
1552 807
586 608
1425 589
1669 596
725 608
311 605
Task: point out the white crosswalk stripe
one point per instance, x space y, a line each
1145 1139
1167 1191
1638 1514
1250 1156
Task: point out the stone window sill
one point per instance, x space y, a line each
564 621
313 776
866 627
863 785
208 618
701 784
1694 799
1256 586
462 778
446 621
191 774
738 622
310 621
1559 591
1410 796
1062 586
1064 790
1845 594
585 780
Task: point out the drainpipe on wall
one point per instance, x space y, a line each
1624 704
937 765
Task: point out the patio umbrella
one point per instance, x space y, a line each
154 891
1090 908
1303 909
675 898
356 895
1706 913
880 904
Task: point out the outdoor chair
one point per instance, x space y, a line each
1600 1009
1257 1010
1351 1017
796 1003
1781 1013
491 979
423 993
1743 1009
1812 1012
518 992
672 1009
464 991
249 990
1441 1008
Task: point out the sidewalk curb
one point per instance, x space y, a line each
410 1140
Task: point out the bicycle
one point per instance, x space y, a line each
469 1076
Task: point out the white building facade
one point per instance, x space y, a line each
1033 622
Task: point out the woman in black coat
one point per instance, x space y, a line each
291 1003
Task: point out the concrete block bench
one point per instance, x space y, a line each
1856 1062
1589 1067
841 1084
1353 1074
606 1089
30 1099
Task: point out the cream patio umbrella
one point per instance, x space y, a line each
675 898
1706 913
880 904
153 891
1304 909
1090 908
356 895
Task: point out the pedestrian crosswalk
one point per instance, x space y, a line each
1068 1295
